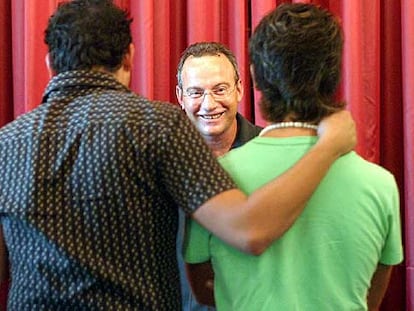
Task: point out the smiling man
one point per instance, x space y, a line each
209 90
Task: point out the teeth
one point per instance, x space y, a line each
210 117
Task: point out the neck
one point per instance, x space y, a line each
286 129
221 144
123 76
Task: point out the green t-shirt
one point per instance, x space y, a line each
327 259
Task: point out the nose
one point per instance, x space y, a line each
208 102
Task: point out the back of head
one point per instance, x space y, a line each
296 53
83 34
200 49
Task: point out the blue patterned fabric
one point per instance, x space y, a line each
90 186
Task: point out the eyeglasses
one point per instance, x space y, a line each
218 93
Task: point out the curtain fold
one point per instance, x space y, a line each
391 126
6 85
407 11
258 9
238 23
6 89
29 19
377 81
352 67
143 36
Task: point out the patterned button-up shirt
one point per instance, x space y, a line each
90 183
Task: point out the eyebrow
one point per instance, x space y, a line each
215 86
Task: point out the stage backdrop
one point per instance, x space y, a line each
377 82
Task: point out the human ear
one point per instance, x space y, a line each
48 61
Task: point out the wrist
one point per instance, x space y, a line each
327 150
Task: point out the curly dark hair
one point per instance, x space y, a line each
200 49
296 53
82 34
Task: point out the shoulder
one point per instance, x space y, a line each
245 131
21 125
368 172
245 124
135 102
131 107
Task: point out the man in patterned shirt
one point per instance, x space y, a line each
210 65
92 179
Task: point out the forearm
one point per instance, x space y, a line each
378 287
201 278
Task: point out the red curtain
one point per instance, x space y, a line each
377 81
407 137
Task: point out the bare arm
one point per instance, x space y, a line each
379 284
201 278
4 260
252 223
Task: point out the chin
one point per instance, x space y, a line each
212 132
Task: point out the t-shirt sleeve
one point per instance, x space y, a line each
196 246
392 253
190 172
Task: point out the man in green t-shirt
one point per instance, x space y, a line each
339 254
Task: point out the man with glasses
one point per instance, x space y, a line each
209 90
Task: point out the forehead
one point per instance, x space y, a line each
207 71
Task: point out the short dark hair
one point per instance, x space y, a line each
82 34
200 49
296 53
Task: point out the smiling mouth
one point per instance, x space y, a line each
212 116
